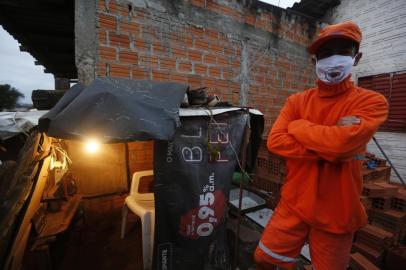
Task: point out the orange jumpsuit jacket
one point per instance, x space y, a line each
324 181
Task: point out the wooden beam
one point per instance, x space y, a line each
17 251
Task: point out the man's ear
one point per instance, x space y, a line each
357 58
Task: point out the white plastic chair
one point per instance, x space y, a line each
143 205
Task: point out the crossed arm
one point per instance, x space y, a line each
299 138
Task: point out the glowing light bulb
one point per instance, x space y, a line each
92 146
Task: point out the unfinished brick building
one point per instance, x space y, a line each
248 52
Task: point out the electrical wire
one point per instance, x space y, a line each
212 120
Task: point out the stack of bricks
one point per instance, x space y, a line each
269 174
399 201
380 194
393 221
380 173
385 204
377 192
359 262
372 242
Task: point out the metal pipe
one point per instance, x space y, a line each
389 161
247 134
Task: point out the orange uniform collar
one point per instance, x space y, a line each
327 90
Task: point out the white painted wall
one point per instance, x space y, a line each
383 25
394 145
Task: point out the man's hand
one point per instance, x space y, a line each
348 121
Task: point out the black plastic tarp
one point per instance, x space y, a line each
116 110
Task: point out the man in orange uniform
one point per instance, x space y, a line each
322 132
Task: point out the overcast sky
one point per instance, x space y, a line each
18 68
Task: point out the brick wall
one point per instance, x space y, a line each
247 54
139 158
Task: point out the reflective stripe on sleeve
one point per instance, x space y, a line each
274 255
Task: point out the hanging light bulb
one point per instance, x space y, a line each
92 146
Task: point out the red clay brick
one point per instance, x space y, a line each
107 53
222 61
160 49
216 49
117 70
148 61
215 72
185 67
189 42
201 69
176 77
210 82
142 45
138 73
107 22
194 80
167 63
119 8
194 55
230 50
160 75
128 57
210 59
212 34
357 261
128 28
119 40
179 53
202 45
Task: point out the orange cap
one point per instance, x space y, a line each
347 30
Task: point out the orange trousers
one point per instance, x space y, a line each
285 235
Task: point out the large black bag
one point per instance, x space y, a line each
193 173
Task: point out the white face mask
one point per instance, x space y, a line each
334 69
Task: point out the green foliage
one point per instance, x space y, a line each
9 96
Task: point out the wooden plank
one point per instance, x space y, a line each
17 189
59 222
20 248
13 262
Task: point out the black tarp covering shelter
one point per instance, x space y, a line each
116 110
